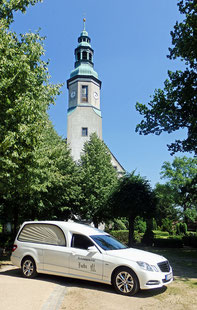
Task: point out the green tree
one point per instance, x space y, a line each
98 179
181 175
133 197
53 178
8 7
37 175
174 107
166 203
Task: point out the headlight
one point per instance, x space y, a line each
147 267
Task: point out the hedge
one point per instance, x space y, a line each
161 233
190 241
121 235
168 243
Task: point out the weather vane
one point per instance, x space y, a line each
84 23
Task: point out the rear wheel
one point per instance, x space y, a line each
28 267
125 281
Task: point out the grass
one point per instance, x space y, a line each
183 262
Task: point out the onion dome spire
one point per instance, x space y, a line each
84 55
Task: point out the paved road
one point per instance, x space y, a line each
18 293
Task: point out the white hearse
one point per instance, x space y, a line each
81 251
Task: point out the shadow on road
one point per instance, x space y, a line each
70 282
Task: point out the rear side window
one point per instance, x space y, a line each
42 233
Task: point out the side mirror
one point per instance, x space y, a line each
92 249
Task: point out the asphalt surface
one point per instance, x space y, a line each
18 293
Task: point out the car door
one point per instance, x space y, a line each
56 259
84 263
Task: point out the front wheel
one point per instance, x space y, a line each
28 267
125 281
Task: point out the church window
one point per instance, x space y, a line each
84 132
84 55
90 57
84 93
78 56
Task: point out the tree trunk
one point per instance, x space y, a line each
131 230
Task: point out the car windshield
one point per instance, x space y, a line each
107 242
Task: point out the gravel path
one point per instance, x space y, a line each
58 293
19 293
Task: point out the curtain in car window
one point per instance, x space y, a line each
42 233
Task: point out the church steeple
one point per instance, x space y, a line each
84 56
84 113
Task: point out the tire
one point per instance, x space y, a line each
28 267
125 281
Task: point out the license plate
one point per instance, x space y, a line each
168 276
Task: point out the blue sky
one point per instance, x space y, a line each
130 40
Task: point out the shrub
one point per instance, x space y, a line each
160 234
167 225
121 235
6 241
116 224
140 225
190 241
168 243
148 237
119 225
181 228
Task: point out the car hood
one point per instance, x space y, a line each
136 255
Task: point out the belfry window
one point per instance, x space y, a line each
84 55
84 93
84 131
90 57
78 56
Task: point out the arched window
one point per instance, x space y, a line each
84 55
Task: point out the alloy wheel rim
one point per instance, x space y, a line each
124 282
28 268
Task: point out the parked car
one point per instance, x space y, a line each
81 251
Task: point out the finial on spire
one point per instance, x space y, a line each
84 23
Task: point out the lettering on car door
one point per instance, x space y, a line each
84 263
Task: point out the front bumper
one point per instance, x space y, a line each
150 280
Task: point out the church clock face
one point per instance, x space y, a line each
95 95
72 94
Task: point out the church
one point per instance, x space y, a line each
84 111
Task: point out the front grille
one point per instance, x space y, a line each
164 266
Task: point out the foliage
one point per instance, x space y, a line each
172 242
116 224
121 235
190 241
166 203
167 225
98 180
181 228
38 177
181 175
174 107
139 224
133 197
160 234
8 7
154 224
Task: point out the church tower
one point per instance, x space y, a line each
84 114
